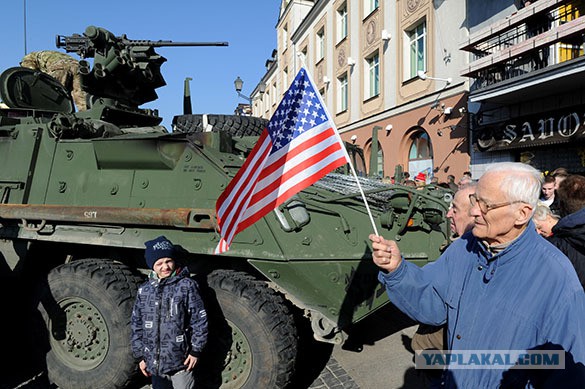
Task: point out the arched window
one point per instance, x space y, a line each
420 155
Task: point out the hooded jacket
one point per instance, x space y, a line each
525 297
169 322
569 237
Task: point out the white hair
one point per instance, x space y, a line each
542 212
521 182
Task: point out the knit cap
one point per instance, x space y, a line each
158 248
421 177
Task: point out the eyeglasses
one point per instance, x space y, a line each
485 207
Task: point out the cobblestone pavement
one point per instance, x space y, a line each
334 376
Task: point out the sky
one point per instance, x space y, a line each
248 27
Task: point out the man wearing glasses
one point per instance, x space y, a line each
499 287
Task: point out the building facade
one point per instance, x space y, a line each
393 67
527 72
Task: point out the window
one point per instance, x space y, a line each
303 56
342 22
273 100
373 76
285 79
284 38
322 93
420 156
342 93
320 44
370 6
416 56
421 146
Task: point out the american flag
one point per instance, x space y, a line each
299 147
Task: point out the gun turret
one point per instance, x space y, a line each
84 45
125 70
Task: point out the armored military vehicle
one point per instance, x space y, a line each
80 193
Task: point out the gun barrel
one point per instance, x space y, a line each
171 43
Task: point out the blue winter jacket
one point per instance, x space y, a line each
168 322
525 297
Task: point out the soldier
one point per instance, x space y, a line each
63 68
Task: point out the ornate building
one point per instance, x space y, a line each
389 73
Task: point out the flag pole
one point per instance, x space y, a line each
355 176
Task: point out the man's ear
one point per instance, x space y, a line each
523 214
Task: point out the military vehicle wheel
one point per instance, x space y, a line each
234 124
87 307
253 339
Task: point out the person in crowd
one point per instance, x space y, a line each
559 174
547 195
169 321
544 220
61 67
420 179
569 233
459 214
500 287
464 180
433 337
409 183
451 182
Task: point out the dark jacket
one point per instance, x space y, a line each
169 322
569 237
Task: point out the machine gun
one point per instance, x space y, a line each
124 70
84 45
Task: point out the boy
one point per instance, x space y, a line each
169 322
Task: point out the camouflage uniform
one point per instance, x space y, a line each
63 68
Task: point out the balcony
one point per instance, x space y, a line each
538 41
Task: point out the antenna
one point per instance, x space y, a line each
24 22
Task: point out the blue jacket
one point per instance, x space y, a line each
169 322
525 297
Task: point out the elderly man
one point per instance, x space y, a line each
502 287
460 211
428 336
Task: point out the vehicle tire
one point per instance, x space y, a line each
234 124
86 306
252 337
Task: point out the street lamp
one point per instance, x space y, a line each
239 83
421 74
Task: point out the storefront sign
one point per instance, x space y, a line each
529 132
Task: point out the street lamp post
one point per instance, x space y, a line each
239 83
